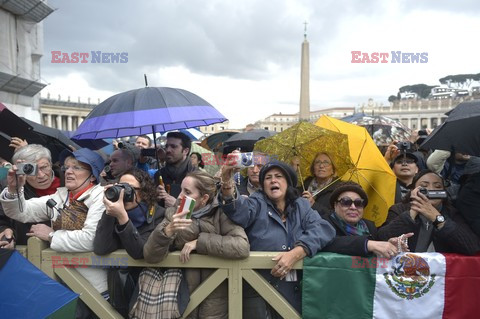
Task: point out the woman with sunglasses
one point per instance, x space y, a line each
427 212
356 236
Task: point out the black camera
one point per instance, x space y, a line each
148 152
440 194
27 169
113 193
404 146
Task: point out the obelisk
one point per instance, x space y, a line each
304 114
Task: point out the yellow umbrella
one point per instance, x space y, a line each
371 170
303 141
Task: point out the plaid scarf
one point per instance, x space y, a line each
360 229
158 294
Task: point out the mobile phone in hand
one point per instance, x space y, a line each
4 238
187 203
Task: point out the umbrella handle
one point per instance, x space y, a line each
301 178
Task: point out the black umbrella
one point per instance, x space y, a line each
215 141
460 132
6 152
87 143
13 126
51 138
246 140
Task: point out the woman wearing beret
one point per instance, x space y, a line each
356 236
276 218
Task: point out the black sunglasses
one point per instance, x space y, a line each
347 202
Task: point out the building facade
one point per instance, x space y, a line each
63 115
416 113
214 128
21 39
279 122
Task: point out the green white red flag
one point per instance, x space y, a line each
410 285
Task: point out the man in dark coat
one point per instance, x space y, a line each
177 166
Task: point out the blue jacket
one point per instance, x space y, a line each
266 231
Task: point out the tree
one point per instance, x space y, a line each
392 98
460 81
422 90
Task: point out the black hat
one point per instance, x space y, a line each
290 174
348 187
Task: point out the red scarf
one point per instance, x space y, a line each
77 195
50 190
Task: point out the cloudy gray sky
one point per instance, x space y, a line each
243 56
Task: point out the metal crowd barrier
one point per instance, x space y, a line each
53 264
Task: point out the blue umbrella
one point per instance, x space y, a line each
147 110
27 292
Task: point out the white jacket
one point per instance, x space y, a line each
35 210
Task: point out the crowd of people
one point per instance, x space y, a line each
135 200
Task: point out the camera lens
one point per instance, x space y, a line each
113 193
28 169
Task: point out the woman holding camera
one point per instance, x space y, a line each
131 214
42 180
209 232
427 212
73 210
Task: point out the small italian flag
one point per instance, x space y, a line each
410 285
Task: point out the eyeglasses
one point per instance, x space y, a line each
407 161
347 202
75 168
323 163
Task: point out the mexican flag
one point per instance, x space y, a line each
410 285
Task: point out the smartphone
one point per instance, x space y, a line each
148 152
187 203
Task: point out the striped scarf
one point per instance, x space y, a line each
360 229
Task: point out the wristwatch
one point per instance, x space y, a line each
438 220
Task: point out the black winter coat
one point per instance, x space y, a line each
349 245
108 238
454 237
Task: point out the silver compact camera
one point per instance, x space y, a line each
26 169
245 160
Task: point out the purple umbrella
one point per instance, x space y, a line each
147 110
